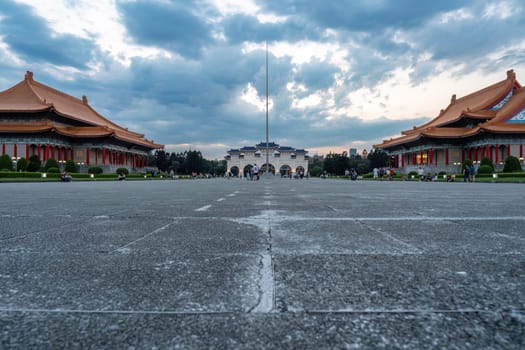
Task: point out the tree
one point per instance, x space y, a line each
512 164
378 159
51 163
488 162
336 163
193 162
162 160
34 163
70 167
21 164
6 163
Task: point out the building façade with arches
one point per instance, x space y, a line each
36 119
486 123
283 160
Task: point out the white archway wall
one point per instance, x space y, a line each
249 158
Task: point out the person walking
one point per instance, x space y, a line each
255 170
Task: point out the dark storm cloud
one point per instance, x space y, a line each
364 15
316 75
172 26
29 37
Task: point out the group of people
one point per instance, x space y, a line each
469 173
380 173
253 174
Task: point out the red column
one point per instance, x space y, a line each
72 154
446 156
508 150
15 151
65 154
38 151
462 155
147 160
87 155
476 154
103 156
496 150
3 148
521 151
96 156
27 151
488 152
110 157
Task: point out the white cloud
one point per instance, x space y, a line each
501 10
94 20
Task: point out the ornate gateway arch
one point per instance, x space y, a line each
283 160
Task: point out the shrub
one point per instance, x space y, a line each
487 161
34 164
71 167
21 164
6 163
53 170
412 173
512 164
51 163
95 170
123 170
485 169
441 173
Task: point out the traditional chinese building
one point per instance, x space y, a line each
487 123
36 119
282 159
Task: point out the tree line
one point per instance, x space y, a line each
338 163
186 163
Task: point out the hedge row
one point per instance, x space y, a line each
38 175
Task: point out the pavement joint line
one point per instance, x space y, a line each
162 228
204 208
391 237
413 311
79 222
306 311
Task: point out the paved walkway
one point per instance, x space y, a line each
276 263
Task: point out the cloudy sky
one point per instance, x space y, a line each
191 74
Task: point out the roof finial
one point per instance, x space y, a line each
511 74
84 99
29 75
453 99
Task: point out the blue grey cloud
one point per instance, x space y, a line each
172 26
29 36
194 96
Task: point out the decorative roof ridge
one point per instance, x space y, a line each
83 101
510 80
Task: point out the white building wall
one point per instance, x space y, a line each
285 158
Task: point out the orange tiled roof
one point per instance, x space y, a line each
31 96
474 106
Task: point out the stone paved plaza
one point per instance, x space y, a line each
277 263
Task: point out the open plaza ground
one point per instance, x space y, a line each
275 263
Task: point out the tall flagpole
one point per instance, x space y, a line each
267 145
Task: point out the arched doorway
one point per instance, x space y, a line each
246 170
234 170
285 170
263 169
